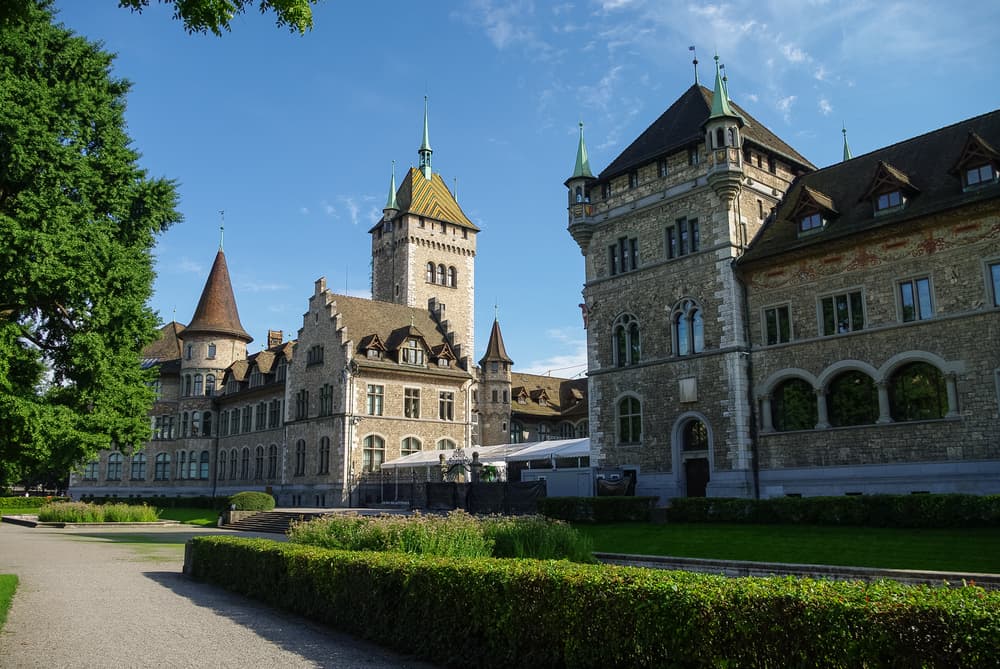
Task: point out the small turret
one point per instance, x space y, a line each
723 141
579 195
391 207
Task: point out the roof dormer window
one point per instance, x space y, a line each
886 202
811 223
982 175
412 353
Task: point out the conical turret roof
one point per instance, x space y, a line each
495 350
216 312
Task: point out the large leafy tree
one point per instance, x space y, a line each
78 221
201 16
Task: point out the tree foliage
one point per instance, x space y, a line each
78 220
202 16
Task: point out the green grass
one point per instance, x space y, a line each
25 511
191 516
972 550
8 584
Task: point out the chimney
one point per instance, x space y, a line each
274 338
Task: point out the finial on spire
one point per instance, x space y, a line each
720 97
222 227
390 202
695 63
425 147
496 310
847 149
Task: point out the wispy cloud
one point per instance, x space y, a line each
570 363
255 286
510 25
188 266
784 105
825 108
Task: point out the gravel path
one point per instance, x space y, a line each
86 599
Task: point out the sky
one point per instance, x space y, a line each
293 136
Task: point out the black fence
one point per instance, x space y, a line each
389 490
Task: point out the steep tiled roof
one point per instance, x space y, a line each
565 398
681 125
430 198
216 312
495 350
167 345
925 164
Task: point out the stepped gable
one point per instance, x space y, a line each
216 312
430 198
682 125
924 164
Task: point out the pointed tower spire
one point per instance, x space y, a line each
222 227
695 63
847 149
216 312
390 203
720 97
425 147
582 168
495 350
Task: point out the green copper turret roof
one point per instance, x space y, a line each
390 202
582 168
847 149
720 97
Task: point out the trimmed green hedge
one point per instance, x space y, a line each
597 509
172 502
251 501
502 613
28 502
917 511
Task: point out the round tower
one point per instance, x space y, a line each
494 391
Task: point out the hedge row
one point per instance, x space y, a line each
920 511
27 502
597 509
500 613
193 502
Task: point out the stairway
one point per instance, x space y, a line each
273 522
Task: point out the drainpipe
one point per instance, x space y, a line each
746 352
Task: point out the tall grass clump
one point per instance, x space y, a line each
537 537
456 535
82 512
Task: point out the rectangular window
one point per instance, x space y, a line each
325 400
995 281
314 355
887 201
693 155
777 325
772 165
842 313
413 353
375 397
671 242
633 179
811 222
274 414
978 176
247 419
695 234
915 299
661 167
605 191
612 260
446 405
623 256
682 237
411 402
302 404
260 417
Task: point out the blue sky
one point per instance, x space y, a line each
293 136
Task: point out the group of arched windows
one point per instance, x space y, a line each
914 391
687 330
192 466
196 424
197 385
441 275
373 449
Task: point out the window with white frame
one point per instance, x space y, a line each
629 420
980 175
885 202
372 453
777 325
411 402
842 313
138 472
376 396
161 467
915 299
811 223
409 446
446 405
115 466
412 353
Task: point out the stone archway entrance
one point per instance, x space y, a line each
694 453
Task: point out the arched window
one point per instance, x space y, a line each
193 465
222 466
720 138
198 384
694 436
442 277
203 466
161 467
582 429
516 433
566 430
732 137
579 194
445 445
182 465
272 461
629 420
852 399
688 328
245 464
138 467
793 406
430 272
453 277
210 384
410 445
373 453
258 463
917 391
206 423
626 340
195 424
233 464
115 467
300 457
324 455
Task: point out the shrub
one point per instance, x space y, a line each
28 502
165 502
555 614
83 512
597 509
536 537
913 511
251 501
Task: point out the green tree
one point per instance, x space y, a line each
78 220
202 16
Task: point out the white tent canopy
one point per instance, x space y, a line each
539 450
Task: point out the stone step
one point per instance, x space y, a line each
273 522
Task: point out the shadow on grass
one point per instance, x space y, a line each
318 644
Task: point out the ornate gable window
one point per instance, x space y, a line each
812 211
977 164
412 352
890 189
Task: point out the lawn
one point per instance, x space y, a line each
8 584
27 511
191 516
972 550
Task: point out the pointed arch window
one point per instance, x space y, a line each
258 464
625 334
233 464
688 328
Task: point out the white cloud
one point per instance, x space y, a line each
254 286
825 107
784 105
304 211
328 208
571 363
353 209
508 26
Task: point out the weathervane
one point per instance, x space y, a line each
694 62
222 227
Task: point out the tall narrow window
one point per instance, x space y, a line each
198 384
161 467
258 463
430 272
915 299
372 453
376 394
688 328
777 325
441 277
115 467
994 277
272 462
221 469
211 352
138 467
453 277
300 457
209 384
324 456
629 420
411 402
625 335
446 405
203 464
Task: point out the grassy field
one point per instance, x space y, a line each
8 584
190 516
973 550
